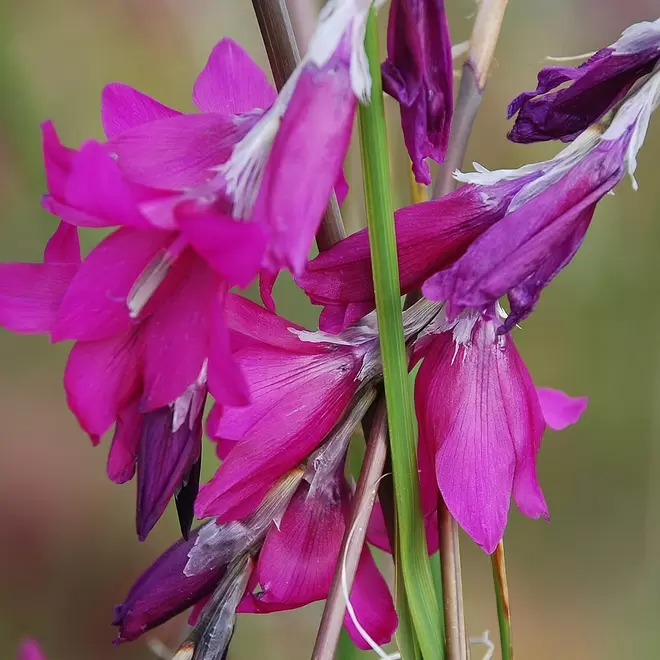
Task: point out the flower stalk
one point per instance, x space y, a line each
502 597
415 566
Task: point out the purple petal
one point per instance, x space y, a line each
163 591
559 409
168 449
307 156
596 86
480 410
30 650
63 247
231 83
123 107
57 159
419 74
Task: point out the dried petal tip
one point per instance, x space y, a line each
186 652
418 73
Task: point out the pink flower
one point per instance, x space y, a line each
30 650
301 384
480 425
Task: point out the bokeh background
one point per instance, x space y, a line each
585 586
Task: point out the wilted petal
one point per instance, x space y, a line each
101 378
419 74
232 83
31 295
559 409
163 591
123 107
553 112
307 157
168 450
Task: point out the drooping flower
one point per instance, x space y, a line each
30 650
430 237
301 384
556 111
548 218
481 421
418 73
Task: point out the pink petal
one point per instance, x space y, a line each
296 400
177 333
98 187
231 83
63 247
57 159
559 409
335 318
30 650
372 603
101 379
298 560
31 295
341 188
478 410
234 249
225 378
123 107
123 451
177 152
95 304
266 285
307 157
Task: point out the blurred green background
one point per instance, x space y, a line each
585 586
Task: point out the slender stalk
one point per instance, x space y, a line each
485 33
303 16
502 597
333 614
415 567
284 55
452 586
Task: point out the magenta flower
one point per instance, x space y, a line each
419 74
596 86
430 237
480 425
301 383
30 650
298 560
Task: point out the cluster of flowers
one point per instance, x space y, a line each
208 201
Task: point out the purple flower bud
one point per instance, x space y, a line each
596 86
418 73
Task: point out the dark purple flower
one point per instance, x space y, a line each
596 86
418 73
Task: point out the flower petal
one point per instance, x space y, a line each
123 107
232 83
95 303
30 650
31 295
101 379
178 152
372 603
559 409
123 451
63 246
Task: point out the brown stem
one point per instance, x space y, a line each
283 54
485 33
452 586
349 555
